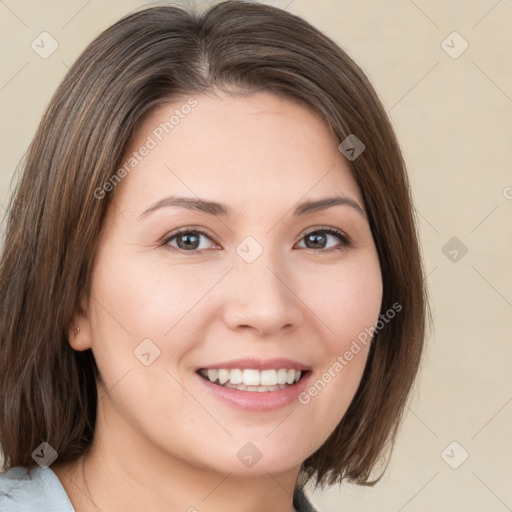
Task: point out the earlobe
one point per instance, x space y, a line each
79 338
79 332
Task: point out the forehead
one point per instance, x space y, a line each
256 149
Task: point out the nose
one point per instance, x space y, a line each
262 298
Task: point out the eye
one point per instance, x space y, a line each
317 239
188 240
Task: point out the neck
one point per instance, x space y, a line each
122 473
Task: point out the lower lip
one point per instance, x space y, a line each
258 401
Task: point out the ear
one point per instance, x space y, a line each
79 334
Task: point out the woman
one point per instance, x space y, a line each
213 290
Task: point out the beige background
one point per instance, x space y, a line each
453 118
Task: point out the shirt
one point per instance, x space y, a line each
41 491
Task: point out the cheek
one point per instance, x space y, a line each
347 304
135 301
142 309
348 307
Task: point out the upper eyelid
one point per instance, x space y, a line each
333 230
180 231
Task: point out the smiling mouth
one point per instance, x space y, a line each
253 380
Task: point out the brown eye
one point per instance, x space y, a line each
318 239
187 240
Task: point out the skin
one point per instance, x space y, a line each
163 441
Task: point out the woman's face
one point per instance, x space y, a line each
268 288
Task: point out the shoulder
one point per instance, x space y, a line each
38 490
301 502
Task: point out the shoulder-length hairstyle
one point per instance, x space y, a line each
147 59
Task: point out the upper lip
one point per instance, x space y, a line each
257 364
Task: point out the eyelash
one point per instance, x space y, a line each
344 239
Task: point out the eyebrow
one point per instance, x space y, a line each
222 210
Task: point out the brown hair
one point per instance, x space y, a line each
47 389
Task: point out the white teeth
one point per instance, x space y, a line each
250 379
281 376
236 377
268 378
223 376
